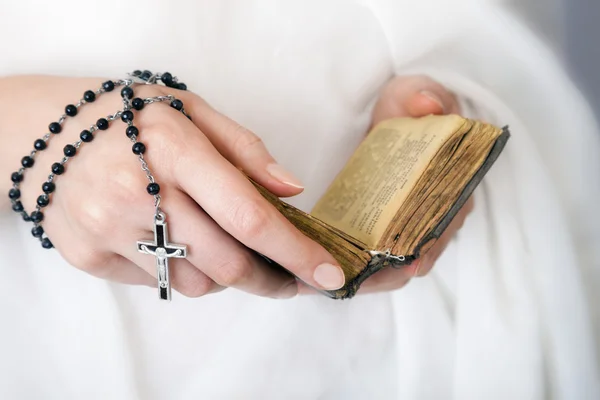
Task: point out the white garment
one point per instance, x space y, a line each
504 315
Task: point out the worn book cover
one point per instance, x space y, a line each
397 193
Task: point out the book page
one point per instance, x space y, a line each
370 189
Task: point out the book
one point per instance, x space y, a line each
397 193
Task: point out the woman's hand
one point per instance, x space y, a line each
100 208
415 96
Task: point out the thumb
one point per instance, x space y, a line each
414 96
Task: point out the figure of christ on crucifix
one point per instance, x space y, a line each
162 250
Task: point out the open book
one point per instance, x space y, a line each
397 193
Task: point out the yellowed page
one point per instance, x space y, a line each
368 192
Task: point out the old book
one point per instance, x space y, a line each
397 193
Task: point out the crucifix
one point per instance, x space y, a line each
162 250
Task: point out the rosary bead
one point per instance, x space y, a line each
108 86
139 148
153 189
46 243
132 131
177 104
145 75
86 136
70 150
127 116
17 206
55 127
37 231
43 200
14 194
127 92
182 86
37 216
39 145
89 96
137 72
58 169
26 217
16 177
48 187
102 124
167 78
71 110
137 103
27 162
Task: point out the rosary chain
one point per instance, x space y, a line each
137 77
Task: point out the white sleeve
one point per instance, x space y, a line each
548 178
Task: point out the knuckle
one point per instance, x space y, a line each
244 139
196 286
87 260
235 271
249 219
100 214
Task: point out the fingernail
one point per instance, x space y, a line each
433 97
284 176
329 276
289 291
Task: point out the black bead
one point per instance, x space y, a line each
14 194
71 110
137 72
27 162
137 103
43 200
177 104
127 92
108 86
153 189
86 136
16 177
37 231
132 131
70 150
39 145
139 148
26 217
181 86
37 216
89 96
127 116
146 75
48 187
17 206
167 78
46 243
102 124
55 127
58 169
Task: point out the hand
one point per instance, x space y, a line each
415 96
100 208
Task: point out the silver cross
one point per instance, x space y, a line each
162 250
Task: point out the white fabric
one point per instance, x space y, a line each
506 313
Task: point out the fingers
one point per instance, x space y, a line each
114 268
222 258
229 198
242 148
386 280
414 96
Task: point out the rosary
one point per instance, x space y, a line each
160 248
